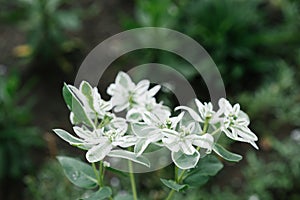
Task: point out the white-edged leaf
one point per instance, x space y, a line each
130 156
141 146
98 152
67 136
184 161
227 155
76 106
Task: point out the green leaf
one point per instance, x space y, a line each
78 172
196 180
173 185
101 194
206 167
76 106
130 156
227 155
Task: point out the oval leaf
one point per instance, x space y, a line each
173 185
184 161
101 194
207 166
78 172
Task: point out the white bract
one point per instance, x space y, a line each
205 111
182 144
126 94
151 130
235 123
101 132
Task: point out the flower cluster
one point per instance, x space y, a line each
147 122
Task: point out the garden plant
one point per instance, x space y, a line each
190 135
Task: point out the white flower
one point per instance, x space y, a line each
182 144
151 130
101 141
137 113
91 101
126 94
235 123
205 111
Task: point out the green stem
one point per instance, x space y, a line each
176 173
101 174
169 197
177 179
205 126
216 131
96 173
132 180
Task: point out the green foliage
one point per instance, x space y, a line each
48 26
78 172
17 136
277 101
102 193
243 42
51 184
173 185
274 175
207 167
277 177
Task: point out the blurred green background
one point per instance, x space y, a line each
255 44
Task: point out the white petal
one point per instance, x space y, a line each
176 120
124 80
85 134
205 141
98 152
141 146
171 144
154 90
121 107
193 114
111 89
125 141
134 115
142 87
187 147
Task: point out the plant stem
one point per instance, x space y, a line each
101 174
216 131
170 195
179 178
206 124
132 180
176 173
96 173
